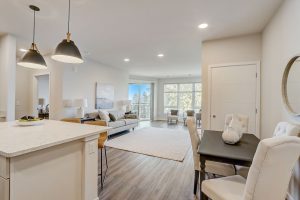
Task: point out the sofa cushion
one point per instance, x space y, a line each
130 121
118 114
130 116
116 124
104 115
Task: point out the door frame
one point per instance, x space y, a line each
257 101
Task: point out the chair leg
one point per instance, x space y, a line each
235 170
105 158
196 181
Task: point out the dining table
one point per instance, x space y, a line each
213 148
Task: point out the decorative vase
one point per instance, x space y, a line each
231 136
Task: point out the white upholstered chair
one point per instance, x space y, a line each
244 119
286 129
173 116
211 167
268 177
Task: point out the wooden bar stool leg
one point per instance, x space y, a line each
105 158
101 168
196 182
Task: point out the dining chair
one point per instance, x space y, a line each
244 119
190 113
198 117
101 145
286 129
268 177
211 167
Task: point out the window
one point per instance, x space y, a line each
182 97
140 96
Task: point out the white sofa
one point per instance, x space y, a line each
123 121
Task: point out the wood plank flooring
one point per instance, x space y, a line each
133 176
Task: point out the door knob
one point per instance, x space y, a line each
214 116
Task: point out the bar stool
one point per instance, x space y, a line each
101 145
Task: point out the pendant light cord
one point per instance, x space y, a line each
69 16
33 37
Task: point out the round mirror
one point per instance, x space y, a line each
291 86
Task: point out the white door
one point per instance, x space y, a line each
234 89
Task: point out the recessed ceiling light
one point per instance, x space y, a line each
126 59
202 26
160 55
23 50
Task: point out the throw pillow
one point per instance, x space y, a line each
174 112
190 113
112 117
104 115
93 115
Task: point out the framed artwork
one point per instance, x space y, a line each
104 96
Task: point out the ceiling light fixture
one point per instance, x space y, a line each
160 55
203 26
33 59
126 59
67 51
23 50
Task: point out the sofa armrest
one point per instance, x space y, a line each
131 116
97 123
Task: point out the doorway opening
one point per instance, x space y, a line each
42 97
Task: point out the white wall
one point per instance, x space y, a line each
23 90
67 81
7 76
55 72
43 88
229 50
160 100
280 43
79 81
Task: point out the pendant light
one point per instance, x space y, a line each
32 58
67 51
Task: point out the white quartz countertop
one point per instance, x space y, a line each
17 140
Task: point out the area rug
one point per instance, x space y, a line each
158 142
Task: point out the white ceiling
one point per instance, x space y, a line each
107 31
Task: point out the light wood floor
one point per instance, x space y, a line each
133 176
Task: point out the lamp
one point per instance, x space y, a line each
67 51
41 101
81 104
33 59
68 103
126 103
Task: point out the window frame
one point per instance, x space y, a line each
178 92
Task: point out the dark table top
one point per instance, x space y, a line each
212 144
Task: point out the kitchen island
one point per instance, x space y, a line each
53 161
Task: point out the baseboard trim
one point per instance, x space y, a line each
289 197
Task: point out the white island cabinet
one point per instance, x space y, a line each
54 161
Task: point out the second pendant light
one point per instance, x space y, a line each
67 51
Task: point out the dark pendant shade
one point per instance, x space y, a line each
33 59
67 52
